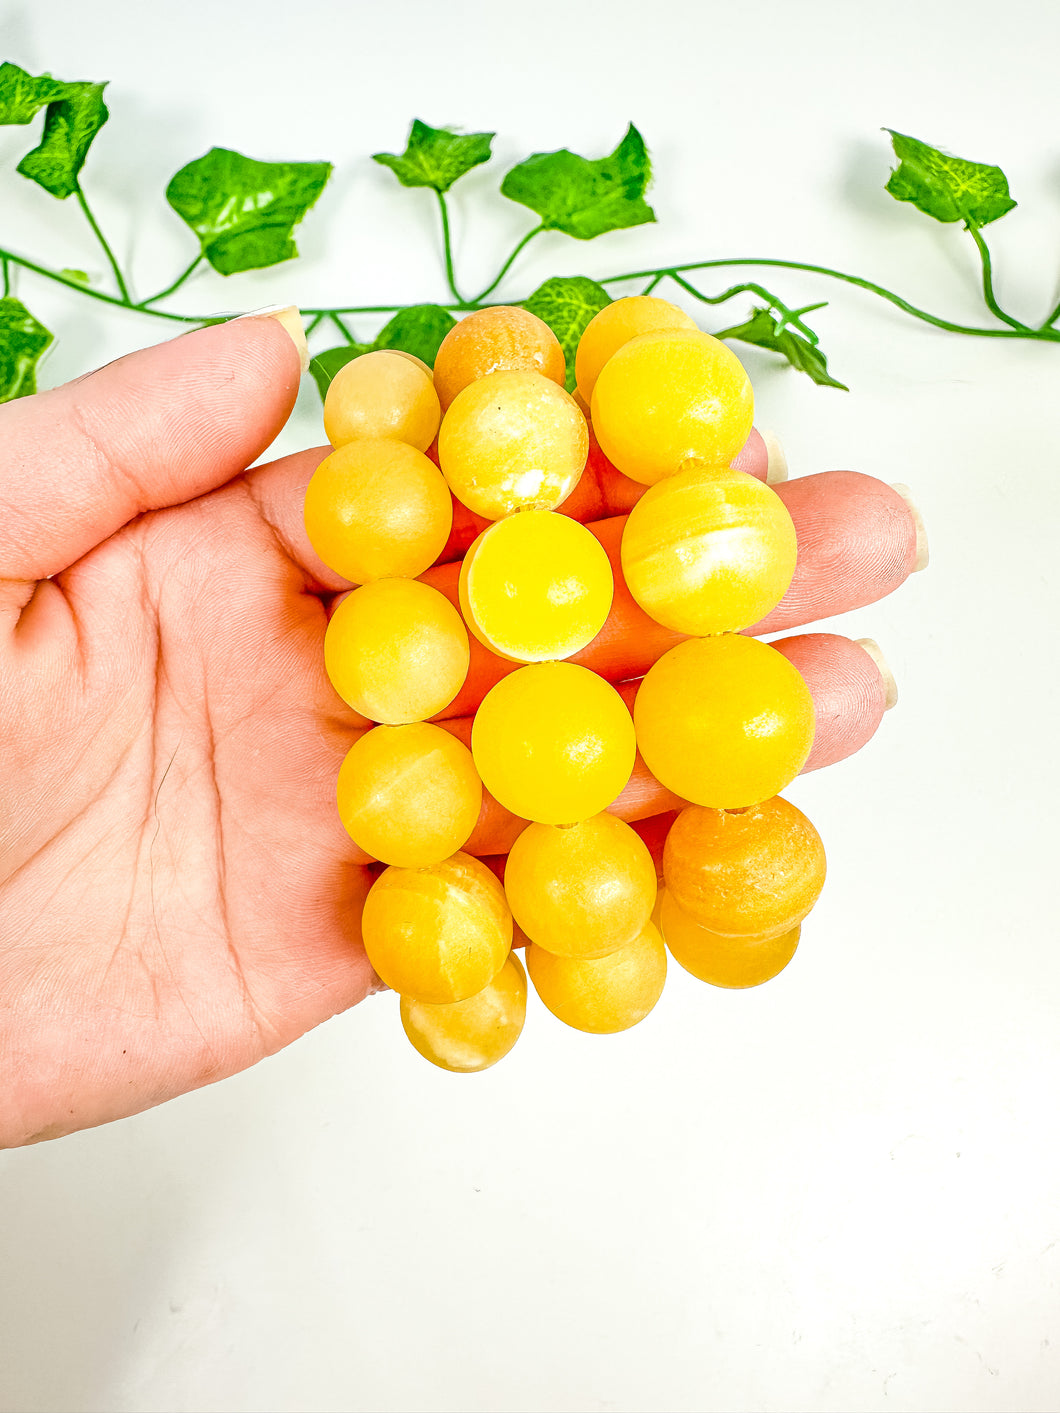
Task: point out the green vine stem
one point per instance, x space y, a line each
1045 332
651 279
447 249
230 202
988 279
162 294
1020 331
82 202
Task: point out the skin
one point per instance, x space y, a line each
177 897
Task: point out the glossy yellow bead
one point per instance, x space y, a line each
409 795
583 890
733 962
385 393
670 397
375 509
512 441
396 651
753 873
724 721
437 934
709 550
605 994
615 325
467 1036
536 586
553 743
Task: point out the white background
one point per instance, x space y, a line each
840 1191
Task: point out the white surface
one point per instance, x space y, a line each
841 1191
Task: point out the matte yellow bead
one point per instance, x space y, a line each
669 397
724 721
605 994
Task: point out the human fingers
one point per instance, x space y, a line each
858 540
851 688
153 429
601 493
603 490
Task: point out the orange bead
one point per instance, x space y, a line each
744 873
499 339
734 962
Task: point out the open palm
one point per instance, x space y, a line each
176 896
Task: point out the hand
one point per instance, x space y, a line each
177 896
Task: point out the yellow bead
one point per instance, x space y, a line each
512 441
708 551
385 393
467 1036
734 962
724 721
615 325
376 509
581 891
751 873
605 994
409 795
396 651
553 743
670 397
536 586
437 934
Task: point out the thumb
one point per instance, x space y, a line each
153 429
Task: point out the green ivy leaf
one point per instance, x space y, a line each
585 198
75 113
437 157
419 329
762 331
567 304
22 344
947 188
22 95
244 211
80 276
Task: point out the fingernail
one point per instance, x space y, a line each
776 461
918 521
890 686
289 316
